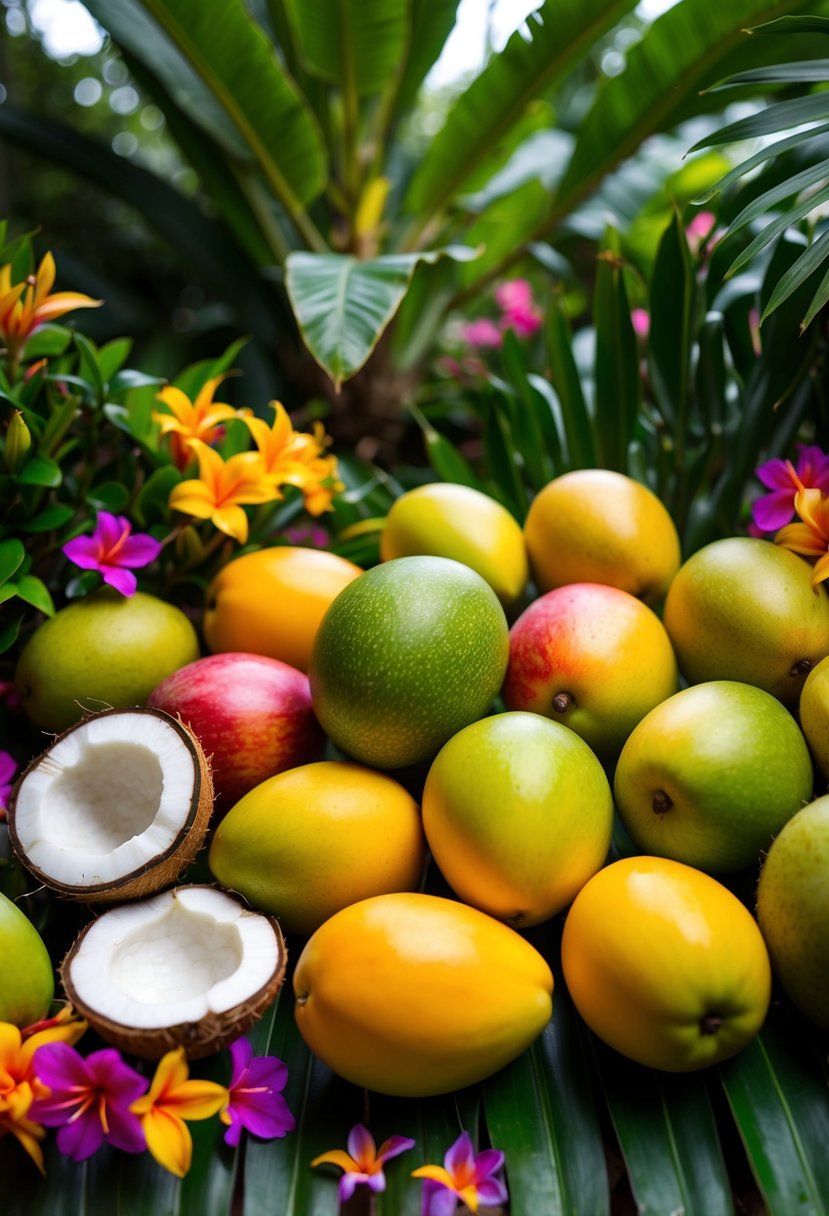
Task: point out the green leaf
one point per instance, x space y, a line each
40 472
34 591
220 68
88 365
9 631
561 32
151 504
499 450
673 293
109 496
802 269
12 554
343 305
778 1099
444 457
52 518
112 357
769 152
793 25
48 340
777 194
777 228
540 1112
567 384
129 378
771 118
431 24
805 71
666 1131
354 44
537 445
616 370
818 300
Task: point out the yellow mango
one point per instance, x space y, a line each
414 995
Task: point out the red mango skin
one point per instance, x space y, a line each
603 649
252 715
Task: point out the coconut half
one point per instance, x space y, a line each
191 967
115 808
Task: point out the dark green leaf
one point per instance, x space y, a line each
151 504
34 591
794 25
777 228
196 375
444 457
787 189
12 554
566 382
48 340
343 305
805 71
88 367
112 357
531 443
356 44
40 472
672 298
109 496
818 300
617 362
499 449
769 152
779 1102
53 517
809 261
431 23
129 378
771 118
668 1137
9 631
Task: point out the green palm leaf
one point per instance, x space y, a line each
355 44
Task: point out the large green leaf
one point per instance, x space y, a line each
560 33
343 305
616 371
354 44
779 1100
431 22
220 68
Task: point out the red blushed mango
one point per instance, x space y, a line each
593 657
251 714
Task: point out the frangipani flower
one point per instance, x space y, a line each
222 488
811 536
463 1176
185 420
255 1096
89 1100
19 1084
811 471
363 1164
26 305
171 1099
113 551
8 768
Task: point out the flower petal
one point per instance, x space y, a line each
777 475
169 1141
337 1156
122 580
361 1146
241 1054
232 521
487 1162
461 1155
492 1191
139 550
773 511
393 1147
84 551
81 1137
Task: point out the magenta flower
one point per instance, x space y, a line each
640 319
700 233
89 1100
363 1163
463 1176
8 768
256 1100
111 549
482 332
515 299
775 510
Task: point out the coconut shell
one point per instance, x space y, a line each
199 1039
157 873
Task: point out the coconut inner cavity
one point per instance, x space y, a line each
176 956
110 795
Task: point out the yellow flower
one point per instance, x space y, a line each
222 488
19 1085
170 1100
296 458
811 536
185 420
272 441
26 305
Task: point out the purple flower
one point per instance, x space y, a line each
363 1163
773 511
463 1176
8 767
89 1100
111 549
256 1101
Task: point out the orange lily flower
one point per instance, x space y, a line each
185 420
222 488
274 441
26 305
19 1085
810 535
171 1099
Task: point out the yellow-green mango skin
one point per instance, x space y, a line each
415 995
814 715
103 651
745 609
518 814
793 909
27 982
447 520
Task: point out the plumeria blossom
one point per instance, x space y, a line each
810 471
810 535
363 1164
89 1100
464 1176
184 420
20 1085
113 551
171 1101
255 1098
223 488
8 768
26 305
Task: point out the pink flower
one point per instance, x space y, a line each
700 231
363 1164
256 1100
111 549
89 1100
515 299
773 511
463 1176
482 332
308 535
641 321
8 768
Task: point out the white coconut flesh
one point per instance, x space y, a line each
109 798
